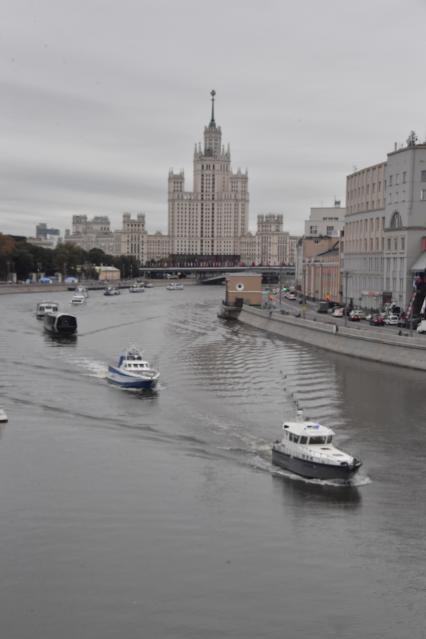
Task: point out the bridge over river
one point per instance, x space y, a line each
216 274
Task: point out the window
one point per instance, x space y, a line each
423 176
402 243
396 221
404 177
317 440
303 440
423 194
390 180
389 244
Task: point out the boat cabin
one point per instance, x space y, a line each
46 307
307 433
132 360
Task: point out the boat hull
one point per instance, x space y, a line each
117 378
313 470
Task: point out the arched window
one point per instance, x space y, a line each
396 222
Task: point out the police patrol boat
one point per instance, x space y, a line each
306 449
133 371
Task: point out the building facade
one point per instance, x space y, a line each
325 221
272 241
209 220
405 219
364 237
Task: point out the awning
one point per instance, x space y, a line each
420 263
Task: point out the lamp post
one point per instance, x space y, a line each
346 274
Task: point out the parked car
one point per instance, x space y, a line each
422 327
392 320
405 322
358 312
338 311
377 320
354 317
323 307
290 296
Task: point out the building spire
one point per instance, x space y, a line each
212 122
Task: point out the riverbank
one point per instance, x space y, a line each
405 351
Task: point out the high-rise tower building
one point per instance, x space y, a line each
209 220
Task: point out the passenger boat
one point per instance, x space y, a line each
60 324
306 449
82 290
78 299
137 288
133 371
46 307
3 416
111 290
174 286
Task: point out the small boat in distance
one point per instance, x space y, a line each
46 307
81 290
148 285
3 416
132 371
174 286
111 290
137 288
78 298
60 324
306 449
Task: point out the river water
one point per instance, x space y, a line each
125 515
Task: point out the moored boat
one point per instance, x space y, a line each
132 371
111 290
137 288
46 307
60 324
174 286
306 449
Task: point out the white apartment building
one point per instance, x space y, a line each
405 219
325 221
272 241
95 233
133 236
210 219
157 247
364 237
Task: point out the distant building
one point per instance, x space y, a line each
157 247
272 241
108 273
325 221
43 232
90 234
210 219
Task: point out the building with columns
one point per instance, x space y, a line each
210 219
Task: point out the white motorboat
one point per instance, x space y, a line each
3 416
137 288
174 286
132 371
46 307
306 449
78 299
111 290
148 285
82 290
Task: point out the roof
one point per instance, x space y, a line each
420 263
308 428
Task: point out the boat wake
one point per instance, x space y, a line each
92 367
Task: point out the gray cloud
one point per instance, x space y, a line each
100 99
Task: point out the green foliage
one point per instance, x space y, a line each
68 259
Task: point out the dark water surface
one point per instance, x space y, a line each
130 516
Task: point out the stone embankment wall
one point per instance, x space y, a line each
406 351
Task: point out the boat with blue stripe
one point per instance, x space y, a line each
133 371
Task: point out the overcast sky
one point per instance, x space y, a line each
99 98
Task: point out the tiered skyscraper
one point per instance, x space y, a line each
209 220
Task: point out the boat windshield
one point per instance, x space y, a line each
320 440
